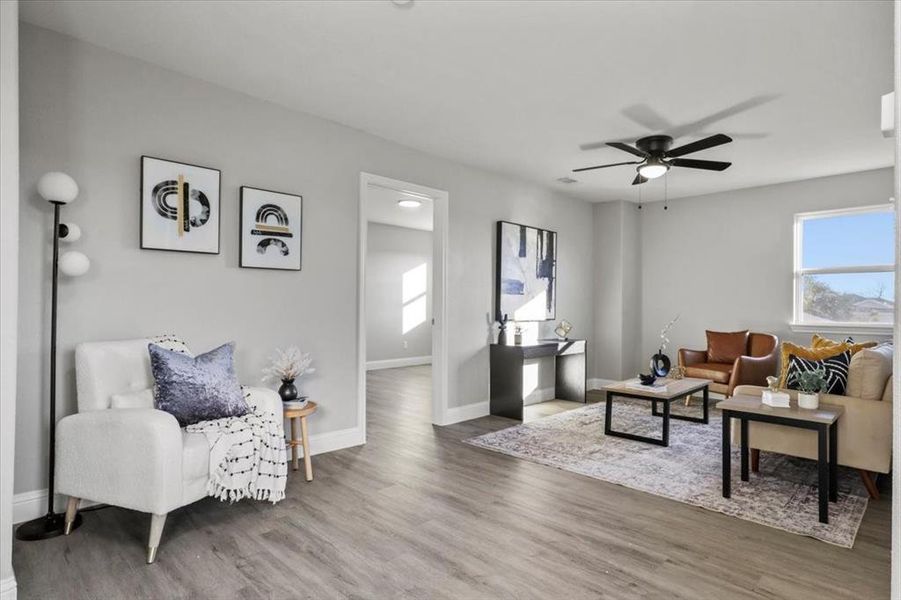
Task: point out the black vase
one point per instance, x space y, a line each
502 337
288 391
660 364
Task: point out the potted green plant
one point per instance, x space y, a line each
809 385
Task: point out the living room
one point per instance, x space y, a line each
411 479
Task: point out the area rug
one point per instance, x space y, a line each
782 495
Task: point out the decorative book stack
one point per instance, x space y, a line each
775 399
657 387
301 402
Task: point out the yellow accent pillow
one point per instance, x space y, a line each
808 354
819 341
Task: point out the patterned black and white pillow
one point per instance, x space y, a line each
172 342
836 371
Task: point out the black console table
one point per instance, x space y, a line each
507 367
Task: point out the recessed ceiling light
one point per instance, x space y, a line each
409 203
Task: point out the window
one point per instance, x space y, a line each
845 269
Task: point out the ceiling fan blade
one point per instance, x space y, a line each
638 180
627 148
633 162
593 146
708 142
709 165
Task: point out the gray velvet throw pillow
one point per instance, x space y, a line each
194 389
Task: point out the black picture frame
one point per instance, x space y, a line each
498 265
145 157
241 200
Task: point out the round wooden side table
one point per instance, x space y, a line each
295 415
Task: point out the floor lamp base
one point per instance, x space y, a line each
46 527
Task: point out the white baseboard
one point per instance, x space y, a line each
468 412
536 396
596 383
457 414
8 588
394 363
33 504
336 440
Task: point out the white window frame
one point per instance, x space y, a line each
797 325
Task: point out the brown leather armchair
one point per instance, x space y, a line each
760 360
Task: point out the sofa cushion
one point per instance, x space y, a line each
717 372
835 368
725 347
811 354
136 399
195 456
195 389
869 372
819 341
889 389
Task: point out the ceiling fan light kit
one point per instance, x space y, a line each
658 157
653 169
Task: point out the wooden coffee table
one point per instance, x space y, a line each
676 389
823 420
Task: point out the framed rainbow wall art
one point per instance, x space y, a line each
271 229
179 206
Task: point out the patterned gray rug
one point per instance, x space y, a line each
782 495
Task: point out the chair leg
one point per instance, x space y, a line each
869 482
71 512
688 400
755 460
157 522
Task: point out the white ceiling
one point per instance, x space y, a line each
381 207
518 87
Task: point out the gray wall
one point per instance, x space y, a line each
390 252
617 288
9 248
724 261
93 113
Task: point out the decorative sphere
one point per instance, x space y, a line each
74 264
57 187
74 233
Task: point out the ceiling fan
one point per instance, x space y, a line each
657 157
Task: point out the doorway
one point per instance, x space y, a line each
401 284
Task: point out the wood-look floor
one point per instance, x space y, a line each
415 513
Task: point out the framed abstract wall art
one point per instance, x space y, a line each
179 206
271 229
526 280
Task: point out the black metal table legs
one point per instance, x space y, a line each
663 440
827 458
608 418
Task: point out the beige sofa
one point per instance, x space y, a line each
864 430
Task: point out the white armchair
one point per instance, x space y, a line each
136 458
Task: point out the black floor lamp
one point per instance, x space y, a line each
58 189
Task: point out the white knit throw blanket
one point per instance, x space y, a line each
247 456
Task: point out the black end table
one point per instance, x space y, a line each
822 420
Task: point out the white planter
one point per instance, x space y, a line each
808 401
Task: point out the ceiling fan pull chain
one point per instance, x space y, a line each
665 191
639 197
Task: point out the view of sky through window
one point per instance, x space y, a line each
855 240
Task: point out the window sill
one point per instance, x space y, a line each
881 329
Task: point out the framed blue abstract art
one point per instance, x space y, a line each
526 287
